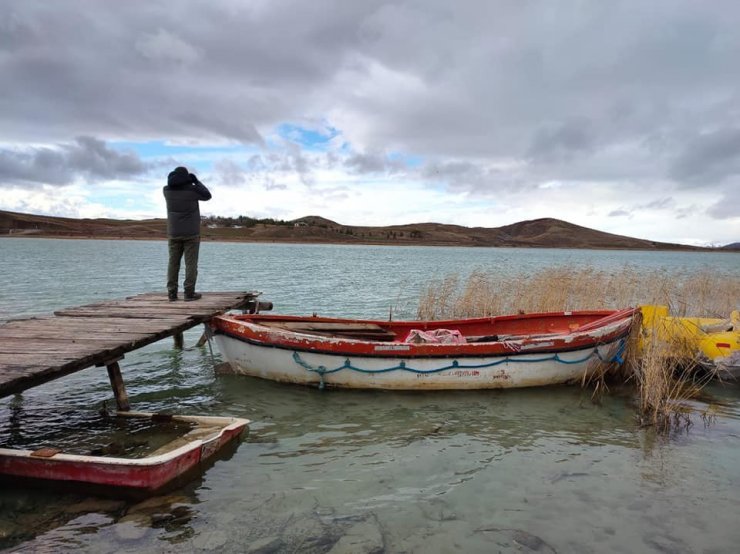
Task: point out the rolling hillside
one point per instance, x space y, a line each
543 233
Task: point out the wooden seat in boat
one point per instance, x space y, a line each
363 331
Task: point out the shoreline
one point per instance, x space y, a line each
430 244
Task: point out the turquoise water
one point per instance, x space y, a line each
540 470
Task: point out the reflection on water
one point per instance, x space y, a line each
430 472
540 470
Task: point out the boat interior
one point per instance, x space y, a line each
473 330
132 435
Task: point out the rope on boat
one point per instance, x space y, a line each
401 366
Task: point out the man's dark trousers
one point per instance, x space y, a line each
189 246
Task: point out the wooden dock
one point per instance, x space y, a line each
37 350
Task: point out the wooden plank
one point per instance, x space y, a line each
327 326
49 351
34 343
209 300
359 331
10 374
49 336
128 312
19 359
13 367
20 346
232 292
57 322
162 297
102 325
181 306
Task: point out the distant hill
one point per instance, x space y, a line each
541 233
733 246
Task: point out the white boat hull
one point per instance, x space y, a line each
397 372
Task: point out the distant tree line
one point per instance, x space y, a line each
246 221
241 221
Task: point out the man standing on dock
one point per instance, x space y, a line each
183 192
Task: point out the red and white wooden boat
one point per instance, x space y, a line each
493 352
172 463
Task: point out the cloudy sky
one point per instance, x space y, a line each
620 116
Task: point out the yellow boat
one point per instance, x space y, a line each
714 341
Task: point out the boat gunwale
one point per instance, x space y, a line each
436 322
256 334
390 354
226 425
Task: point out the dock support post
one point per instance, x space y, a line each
179 341
119 389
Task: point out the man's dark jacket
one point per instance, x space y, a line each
183 192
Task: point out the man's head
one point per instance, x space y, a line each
179 177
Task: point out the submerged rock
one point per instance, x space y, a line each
362 538
525 541
157 503
133 527
211 540
267 545
8 529
95 505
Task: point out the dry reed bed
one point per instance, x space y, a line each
484 294
665 374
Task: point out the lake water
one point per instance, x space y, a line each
538 470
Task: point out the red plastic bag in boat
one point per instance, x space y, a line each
438 336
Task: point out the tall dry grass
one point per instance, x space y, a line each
667 376
664 372
483 294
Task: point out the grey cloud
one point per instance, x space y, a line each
664 203
165 47
659 204
40 166
296 161
727 207
91 156
256 163
686 211
464 176
366 163
709 158
619 213
229 173
199 71
87 156
261 168
453 169
601 91
561 142
372 163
